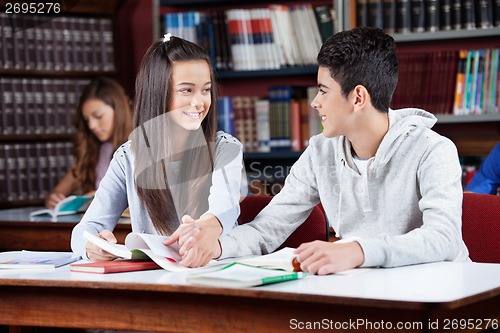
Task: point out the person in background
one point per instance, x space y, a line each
103 121
390 186
177 173
487 179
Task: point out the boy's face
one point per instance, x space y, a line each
334 109
191 97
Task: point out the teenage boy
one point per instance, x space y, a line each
390 186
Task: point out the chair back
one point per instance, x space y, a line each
481 226
315 227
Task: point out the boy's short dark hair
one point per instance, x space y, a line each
362 56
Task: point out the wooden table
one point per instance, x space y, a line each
418 297
20 232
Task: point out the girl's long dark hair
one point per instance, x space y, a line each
152 143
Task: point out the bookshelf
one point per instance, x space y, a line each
474 134
45 61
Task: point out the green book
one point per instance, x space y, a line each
238 275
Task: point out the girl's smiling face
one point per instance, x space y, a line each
191 97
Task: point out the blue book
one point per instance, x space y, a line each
70 205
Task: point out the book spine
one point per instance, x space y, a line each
48 99
7 111
53 164
10 174
18 41
44 185
30 43
39 45
3 43
3 172
432 15
19 120
469 18
76 44
418 15
446 17
389 16
375 14
456 14
48 40
403 16
21 174
66 43
362 13
87 44
496 4
38 100
485 13
32 172
28 110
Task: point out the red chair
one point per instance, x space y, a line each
315 226
481 226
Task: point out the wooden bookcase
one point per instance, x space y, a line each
474 135
46 60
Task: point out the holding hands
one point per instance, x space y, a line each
198 240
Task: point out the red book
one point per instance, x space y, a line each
114 266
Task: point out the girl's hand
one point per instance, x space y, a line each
53 199
95 253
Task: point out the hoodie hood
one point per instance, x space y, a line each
402 123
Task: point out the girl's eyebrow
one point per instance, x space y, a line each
192 84
321 85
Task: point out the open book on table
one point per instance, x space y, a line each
284 259
279 266
70 205
241 275
35 259
144 247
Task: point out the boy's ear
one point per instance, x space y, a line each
361 97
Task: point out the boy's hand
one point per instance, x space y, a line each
322 258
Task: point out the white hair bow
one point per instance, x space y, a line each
166 37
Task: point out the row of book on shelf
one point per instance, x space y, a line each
38 106
446 82
409 16
56 43
455 82
283 121
28 171
270 37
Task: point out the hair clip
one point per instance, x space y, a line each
166 37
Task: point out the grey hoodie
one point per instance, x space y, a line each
406 209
